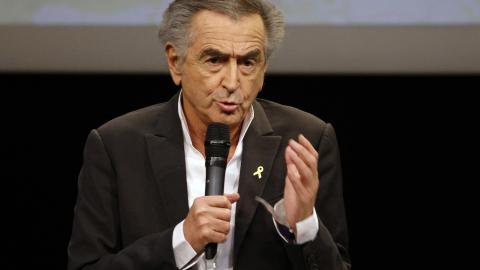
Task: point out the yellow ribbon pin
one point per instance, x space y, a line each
258 172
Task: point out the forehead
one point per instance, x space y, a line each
211 28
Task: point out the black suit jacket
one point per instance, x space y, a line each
132 192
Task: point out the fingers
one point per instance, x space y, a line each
305 151
208 220
234 197
220 222
293 175
302 170
216 237
217 207
214 233
217 201
306 143
294 178
304 156
224 201
220 226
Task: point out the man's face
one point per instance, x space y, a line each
224 68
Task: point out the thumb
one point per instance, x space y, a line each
233 197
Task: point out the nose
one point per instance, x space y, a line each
231 80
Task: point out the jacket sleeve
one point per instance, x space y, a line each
329 249
96 234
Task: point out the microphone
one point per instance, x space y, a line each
217 144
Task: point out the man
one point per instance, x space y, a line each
141 202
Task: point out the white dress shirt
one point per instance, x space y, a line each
195 168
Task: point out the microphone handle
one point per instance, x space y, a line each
210 251
215 178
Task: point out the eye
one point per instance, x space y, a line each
214 63
213 60
248 65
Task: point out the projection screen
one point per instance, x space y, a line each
323 36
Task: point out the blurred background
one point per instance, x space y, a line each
396 78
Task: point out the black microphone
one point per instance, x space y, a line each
217 144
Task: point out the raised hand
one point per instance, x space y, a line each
301 182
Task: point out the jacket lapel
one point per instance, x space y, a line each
260 147
167 158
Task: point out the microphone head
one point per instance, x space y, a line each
217 140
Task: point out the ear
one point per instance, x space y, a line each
173 61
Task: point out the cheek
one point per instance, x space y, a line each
213 82
206 82
200 85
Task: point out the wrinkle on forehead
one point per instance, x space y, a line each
211 29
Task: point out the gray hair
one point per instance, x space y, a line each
177 19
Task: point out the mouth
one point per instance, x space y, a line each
227 107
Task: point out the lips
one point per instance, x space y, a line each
227 107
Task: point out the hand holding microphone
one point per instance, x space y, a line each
208 221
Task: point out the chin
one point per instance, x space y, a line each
227 119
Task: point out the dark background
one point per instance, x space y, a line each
401 139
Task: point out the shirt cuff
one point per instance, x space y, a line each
307 229
183 251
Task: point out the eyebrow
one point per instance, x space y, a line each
211 52
253 54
